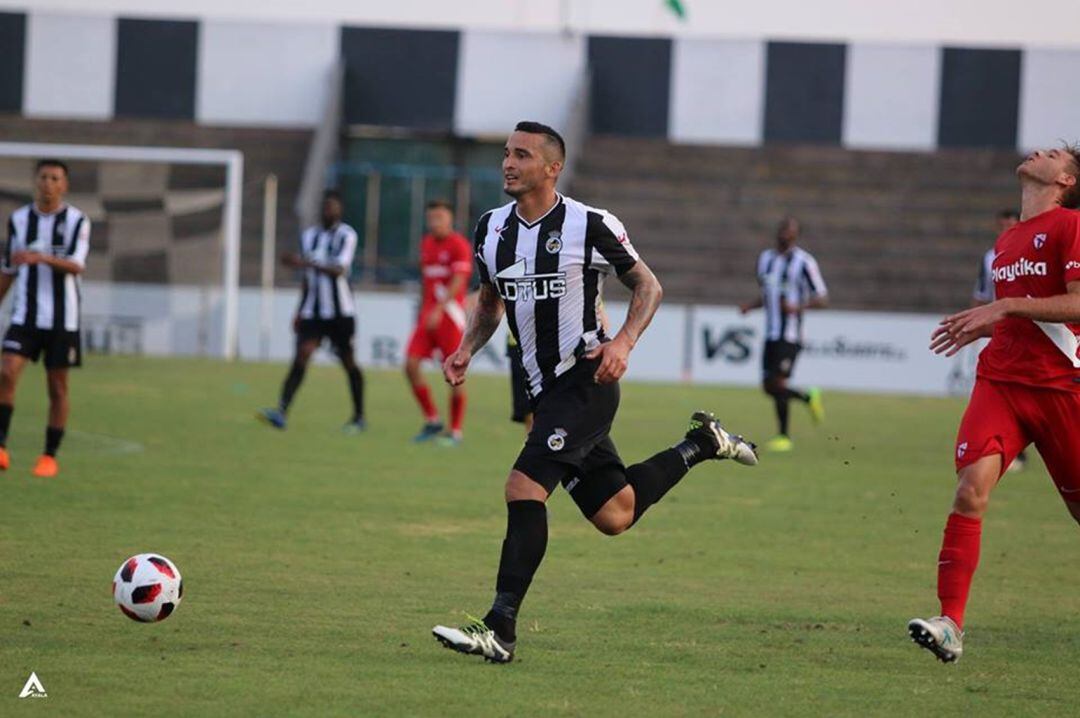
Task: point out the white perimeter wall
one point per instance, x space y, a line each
259 74
858 351
1040 23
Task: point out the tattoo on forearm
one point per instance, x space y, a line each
483 321
644 302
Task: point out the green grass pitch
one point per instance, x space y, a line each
315 563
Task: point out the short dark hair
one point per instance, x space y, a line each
1070 198
332 194
440 203
51 162
538 128
1008 214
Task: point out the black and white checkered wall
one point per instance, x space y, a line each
908 97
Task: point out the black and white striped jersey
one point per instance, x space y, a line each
46 298
550 274
984 285
789 277
324 296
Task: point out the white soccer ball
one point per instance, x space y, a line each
148 587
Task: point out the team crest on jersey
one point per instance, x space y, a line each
557 440
1040 240
554 242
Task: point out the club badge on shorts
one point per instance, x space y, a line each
557 440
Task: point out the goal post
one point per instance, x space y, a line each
233 163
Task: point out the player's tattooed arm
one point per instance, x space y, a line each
483 321
644 301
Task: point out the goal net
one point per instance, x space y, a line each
164 266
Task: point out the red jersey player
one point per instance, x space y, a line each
1027 388
446 267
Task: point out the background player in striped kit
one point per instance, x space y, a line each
326 310
790 283
542 260
445 268
984 293
984 285
48 241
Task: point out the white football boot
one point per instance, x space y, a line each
475 639
939 635
728 446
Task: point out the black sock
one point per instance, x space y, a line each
695 448
5 422
356 386
522 551
292 383
781 400
53 436
800 395
654 477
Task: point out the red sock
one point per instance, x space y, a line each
956 564
423 397
457 411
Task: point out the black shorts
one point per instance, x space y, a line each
779 358
520 403
569 442
341 332
62 349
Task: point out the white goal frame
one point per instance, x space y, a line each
232 160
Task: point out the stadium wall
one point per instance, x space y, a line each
979 22
864 92
856 351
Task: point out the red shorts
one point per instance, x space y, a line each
1003 418
446 338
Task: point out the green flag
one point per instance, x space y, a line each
677 7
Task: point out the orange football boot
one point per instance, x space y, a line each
5 460
46 467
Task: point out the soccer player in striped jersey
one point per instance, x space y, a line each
326 310
542 261
445 267
790 283
1027 386
47 244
